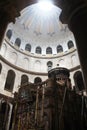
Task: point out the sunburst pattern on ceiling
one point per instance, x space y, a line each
41 22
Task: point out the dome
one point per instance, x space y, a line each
38 42
39 63
40 26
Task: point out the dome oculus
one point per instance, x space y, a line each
45 5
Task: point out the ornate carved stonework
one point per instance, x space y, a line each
49 105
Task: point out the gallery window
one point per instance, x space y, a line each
49 64
70 44
18 42
49 50
38 50
24 79
9 34
10 80
37 80
28 47
59 49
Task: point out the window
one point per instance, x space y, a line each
18 42
78 79
9 34
24 79
4 114
37 80
49 64
59 49
0 67
28 47
10 80
70 44
49 50
38 50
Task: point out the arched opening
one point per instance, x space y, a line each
4 115
18 42
28 47
59 49
38 50
37 80
49 64
49 50
24 79
9 34
70 44
10 80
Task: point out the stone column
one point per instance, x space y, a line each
74 13
8 13
9 116
3 26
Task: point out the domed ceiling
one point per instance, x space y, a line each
41 24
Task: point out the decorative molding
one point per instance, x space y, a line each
20 69
41 56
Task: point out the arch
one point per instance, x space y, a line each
0 68
14 57
37 80
3 49
18 42
78 79
28 47
49 64
9 33
62 63
38 50
59 49
37 65
49 50
74 60
10 80
24 79
70 44
25 63
4 114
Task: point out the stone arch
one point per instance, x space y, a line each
37 80
48 50
59 49
49 65
37 65
70 44
9 34
24 79
18 42
10 79
38 50
28 47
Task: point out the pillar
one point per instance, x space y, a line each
8 13
74 13
3 26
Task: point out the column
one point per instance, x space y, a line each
74 13
3 26
8 13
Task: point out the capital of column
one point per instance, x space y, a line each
8 8
71 8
